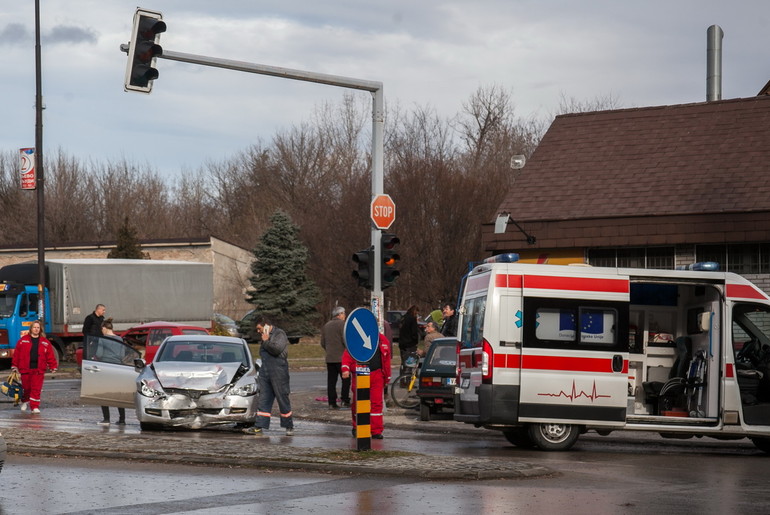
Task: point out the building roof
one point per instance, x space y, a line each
710 157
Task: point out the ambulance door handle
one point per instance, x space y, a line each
617 363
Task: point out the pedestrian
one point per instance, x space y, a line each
33 355
449 328
273 377
333 342
409 334
107 332
379 376
431 333
92 325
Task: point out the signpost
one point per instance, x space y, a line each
362 338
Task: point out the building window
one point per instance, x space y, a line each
748 258
636 257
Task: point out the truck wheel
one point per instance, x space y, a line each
519 436
763 444
553 437
424 412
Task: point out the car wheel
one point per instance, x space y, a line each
424 412
147 426
519 436
553 437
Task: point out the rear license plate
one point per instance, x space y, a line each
451 381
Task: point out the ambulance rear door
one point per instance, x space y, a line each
574 358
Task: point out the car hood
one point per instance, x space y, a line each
210 377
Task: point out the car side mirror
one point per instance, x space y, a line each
139 364
257 364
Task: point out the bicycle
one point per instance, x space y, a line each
403 389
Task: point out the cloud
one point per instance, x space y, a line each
70 34
14 34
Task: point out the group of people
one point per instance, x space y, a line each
34 355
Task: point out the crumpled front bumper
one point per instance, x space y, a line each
180 410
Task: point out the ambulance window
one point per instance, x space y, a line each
597 326
569 324
472 330
556 324
751 331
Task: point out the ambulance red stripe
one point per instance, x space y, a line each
550 282
744 291
561 363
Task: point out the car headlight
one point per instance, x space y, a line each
244 390
151 388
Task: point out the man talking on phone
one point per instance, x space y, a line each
273 377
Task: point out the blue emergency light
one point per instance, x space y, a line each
510 257
703 266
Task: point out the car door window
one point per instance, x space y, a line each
109 350
157 336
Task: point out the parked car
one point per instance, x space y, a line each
438 377
246 329
225 324
194 381
146 338
394 318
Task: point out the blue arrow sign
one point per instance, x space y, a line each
362 336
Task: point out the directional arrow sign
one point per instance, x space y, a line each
362 336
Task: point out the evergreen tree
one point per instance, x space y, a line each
281 289
128 245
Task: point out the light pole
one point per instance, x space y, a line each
39 165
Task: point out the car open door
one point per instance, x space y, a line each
109 377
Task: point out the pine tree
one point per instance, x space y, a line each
281 289
128 245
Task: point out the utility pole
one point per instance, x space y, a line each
40 178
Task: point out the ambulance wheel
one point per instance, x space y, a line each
519 436
763 444
553 437
424 412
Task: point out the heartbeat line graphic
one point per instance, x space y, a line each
574 394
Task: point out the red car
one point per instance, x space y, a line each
147 337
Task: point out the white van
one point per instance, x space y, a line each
547 352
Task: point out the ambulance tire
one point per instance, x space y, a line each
519 436
554 437
763 444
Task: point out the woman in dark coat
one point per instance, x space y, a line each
409 333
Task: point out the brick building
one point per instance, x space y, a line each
652 187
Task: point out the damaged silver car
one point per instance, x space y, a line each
193 382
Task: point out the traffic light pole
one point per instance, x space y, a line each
378 122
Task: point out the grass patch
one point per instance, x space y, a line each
359 456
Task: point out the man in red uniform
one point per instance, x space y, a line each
32 356
379 367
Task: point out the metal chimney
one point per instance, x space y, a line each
714 37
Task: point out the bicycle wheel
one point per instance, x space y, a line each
403 391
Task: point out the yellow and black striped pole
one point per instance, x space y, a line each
363 408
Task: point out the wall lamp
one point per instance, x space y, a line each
503 219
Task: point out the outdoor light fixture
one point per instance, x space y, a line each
502 222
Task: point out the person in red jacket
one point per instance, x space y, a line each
33 355
379 367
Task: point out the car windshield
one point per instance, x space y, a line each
202 352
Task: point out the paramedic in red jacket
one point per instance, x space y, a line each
33 355
380 376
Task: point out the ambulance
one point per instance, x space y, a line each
547 352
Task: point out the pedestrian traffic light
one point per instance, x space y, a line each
365 273
390 258
143 50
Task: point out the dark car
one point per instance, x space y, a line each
438 377
395 317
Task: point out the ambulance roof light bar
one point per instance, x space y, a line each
510 257
703 266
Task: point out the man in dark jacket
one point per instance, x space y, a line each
92 326
449 328
333 342
273 378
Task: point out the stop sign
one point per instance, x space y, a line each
383 211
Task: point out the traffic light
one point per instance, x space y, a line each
390 258
143 50
365 272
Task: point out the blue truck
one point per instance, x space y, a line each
135 291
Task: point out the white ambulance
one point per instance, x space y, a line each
547 352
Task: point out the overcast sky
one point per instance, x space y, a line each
425 52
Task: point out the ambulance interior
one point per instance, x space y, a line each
674 351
